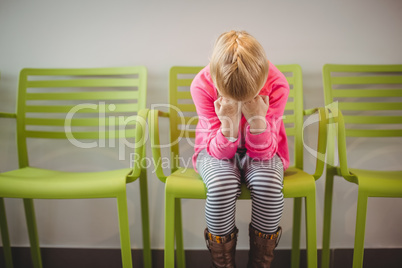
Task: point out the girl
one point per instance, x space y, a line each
240 99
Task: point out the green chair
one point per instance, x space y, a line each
187 184
353 93
78 104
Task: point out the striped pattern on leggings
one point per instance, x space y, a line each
223 180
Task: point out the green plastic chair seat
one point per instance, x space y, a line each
187 183
66 185
382 183
298 183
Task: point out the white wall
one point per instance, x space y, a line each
160 34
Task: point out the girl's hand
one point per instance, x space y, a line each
229 113
255 111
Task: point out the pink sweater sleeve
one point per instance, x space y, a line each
208 134
265 145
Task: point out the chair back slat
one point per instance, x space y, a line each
357 119
76 122
112 82
291 92
373 133
92 135
99 95
86 108
369 106
366 80
372 93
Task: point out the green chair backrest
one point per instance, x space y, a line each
182 112
358 90
90 104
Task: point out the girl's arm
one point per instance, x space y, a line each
265 144
208 133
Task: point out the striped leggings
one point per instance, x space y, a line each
223 180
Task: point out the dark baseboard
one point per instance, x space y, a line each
110 258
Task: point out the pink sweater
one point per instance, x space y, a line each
261 146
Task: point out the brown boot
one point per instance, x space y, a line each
222 248
262 248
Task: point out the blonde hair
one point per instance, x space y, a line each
238 66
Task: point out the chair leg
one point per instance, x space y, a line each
147 255
4 235
180 255
326 237
33 233
169 229
311 230
297 212
360 230
124 230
